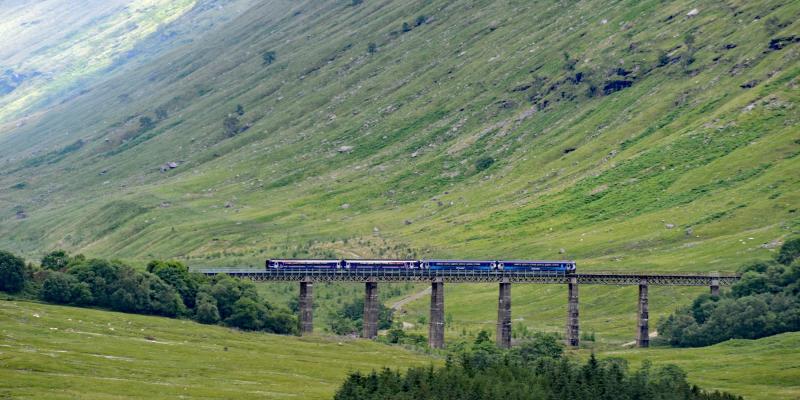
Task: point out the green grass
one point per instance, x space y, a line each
767 368
59 352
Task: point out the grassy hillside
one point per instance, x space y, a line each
635 136
767 368
677 171
63 352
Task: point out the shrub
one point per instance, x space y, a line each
269 57
12 272
790 251
64 288
56 260
483 163
231 126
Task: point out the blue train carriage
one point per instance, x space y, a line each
309 264
559 266
387 265
459 265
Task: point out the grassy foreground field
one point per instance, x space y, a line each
63 352
58 352
767 368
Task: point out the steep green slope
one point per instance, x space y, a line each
638 136
49 48
63 352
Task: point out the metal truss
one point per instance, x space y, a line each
474 277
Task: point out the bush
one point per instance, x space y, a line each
483 163
63 288
790 251
269 57
56 260
207 312
13 273
231 126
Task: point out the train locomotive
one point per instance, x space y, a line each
545 266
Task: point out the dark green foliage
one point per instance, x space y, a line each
269 57
237 304
356 2
161 113
146 124
406 27
763 303
231 126
483 163
790 251
350 318
12 272
239 110
56 260
206 311
372 48
62 288
421 20
177 275
485 372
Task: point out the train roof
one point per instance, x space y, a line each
540 261
303 260
376 260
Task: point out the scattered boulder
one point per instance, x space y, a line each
345 149
228 204
21 214
773 244
693 12
345 206
407 222
562 251
689 231
165 204
749 84
669 226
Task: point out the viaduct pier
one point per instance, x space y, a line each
437 279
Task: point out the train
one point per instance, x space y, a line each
559 266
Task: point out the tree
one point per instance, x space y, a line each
269 57
239 110
64 288
206 312
483 163
246 314
406 27
422 19
161 113
231 126
56 260
372 48
540 345
790 251
12 272
176 275
146 124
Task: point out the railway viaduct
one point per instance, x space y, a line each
437 279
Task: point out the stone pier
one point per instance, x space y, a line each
504 315
436 327
573 323
370 311
306 307
643 332
715 287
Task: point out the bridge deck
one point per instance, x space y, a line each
599 278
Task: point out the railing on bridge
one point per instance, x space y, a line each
465 276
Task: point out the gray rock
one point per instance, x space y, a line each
345 206
689 231
562 251
345 149
669 226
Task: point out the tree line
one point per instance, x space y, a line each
536 369
165 288
766 301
